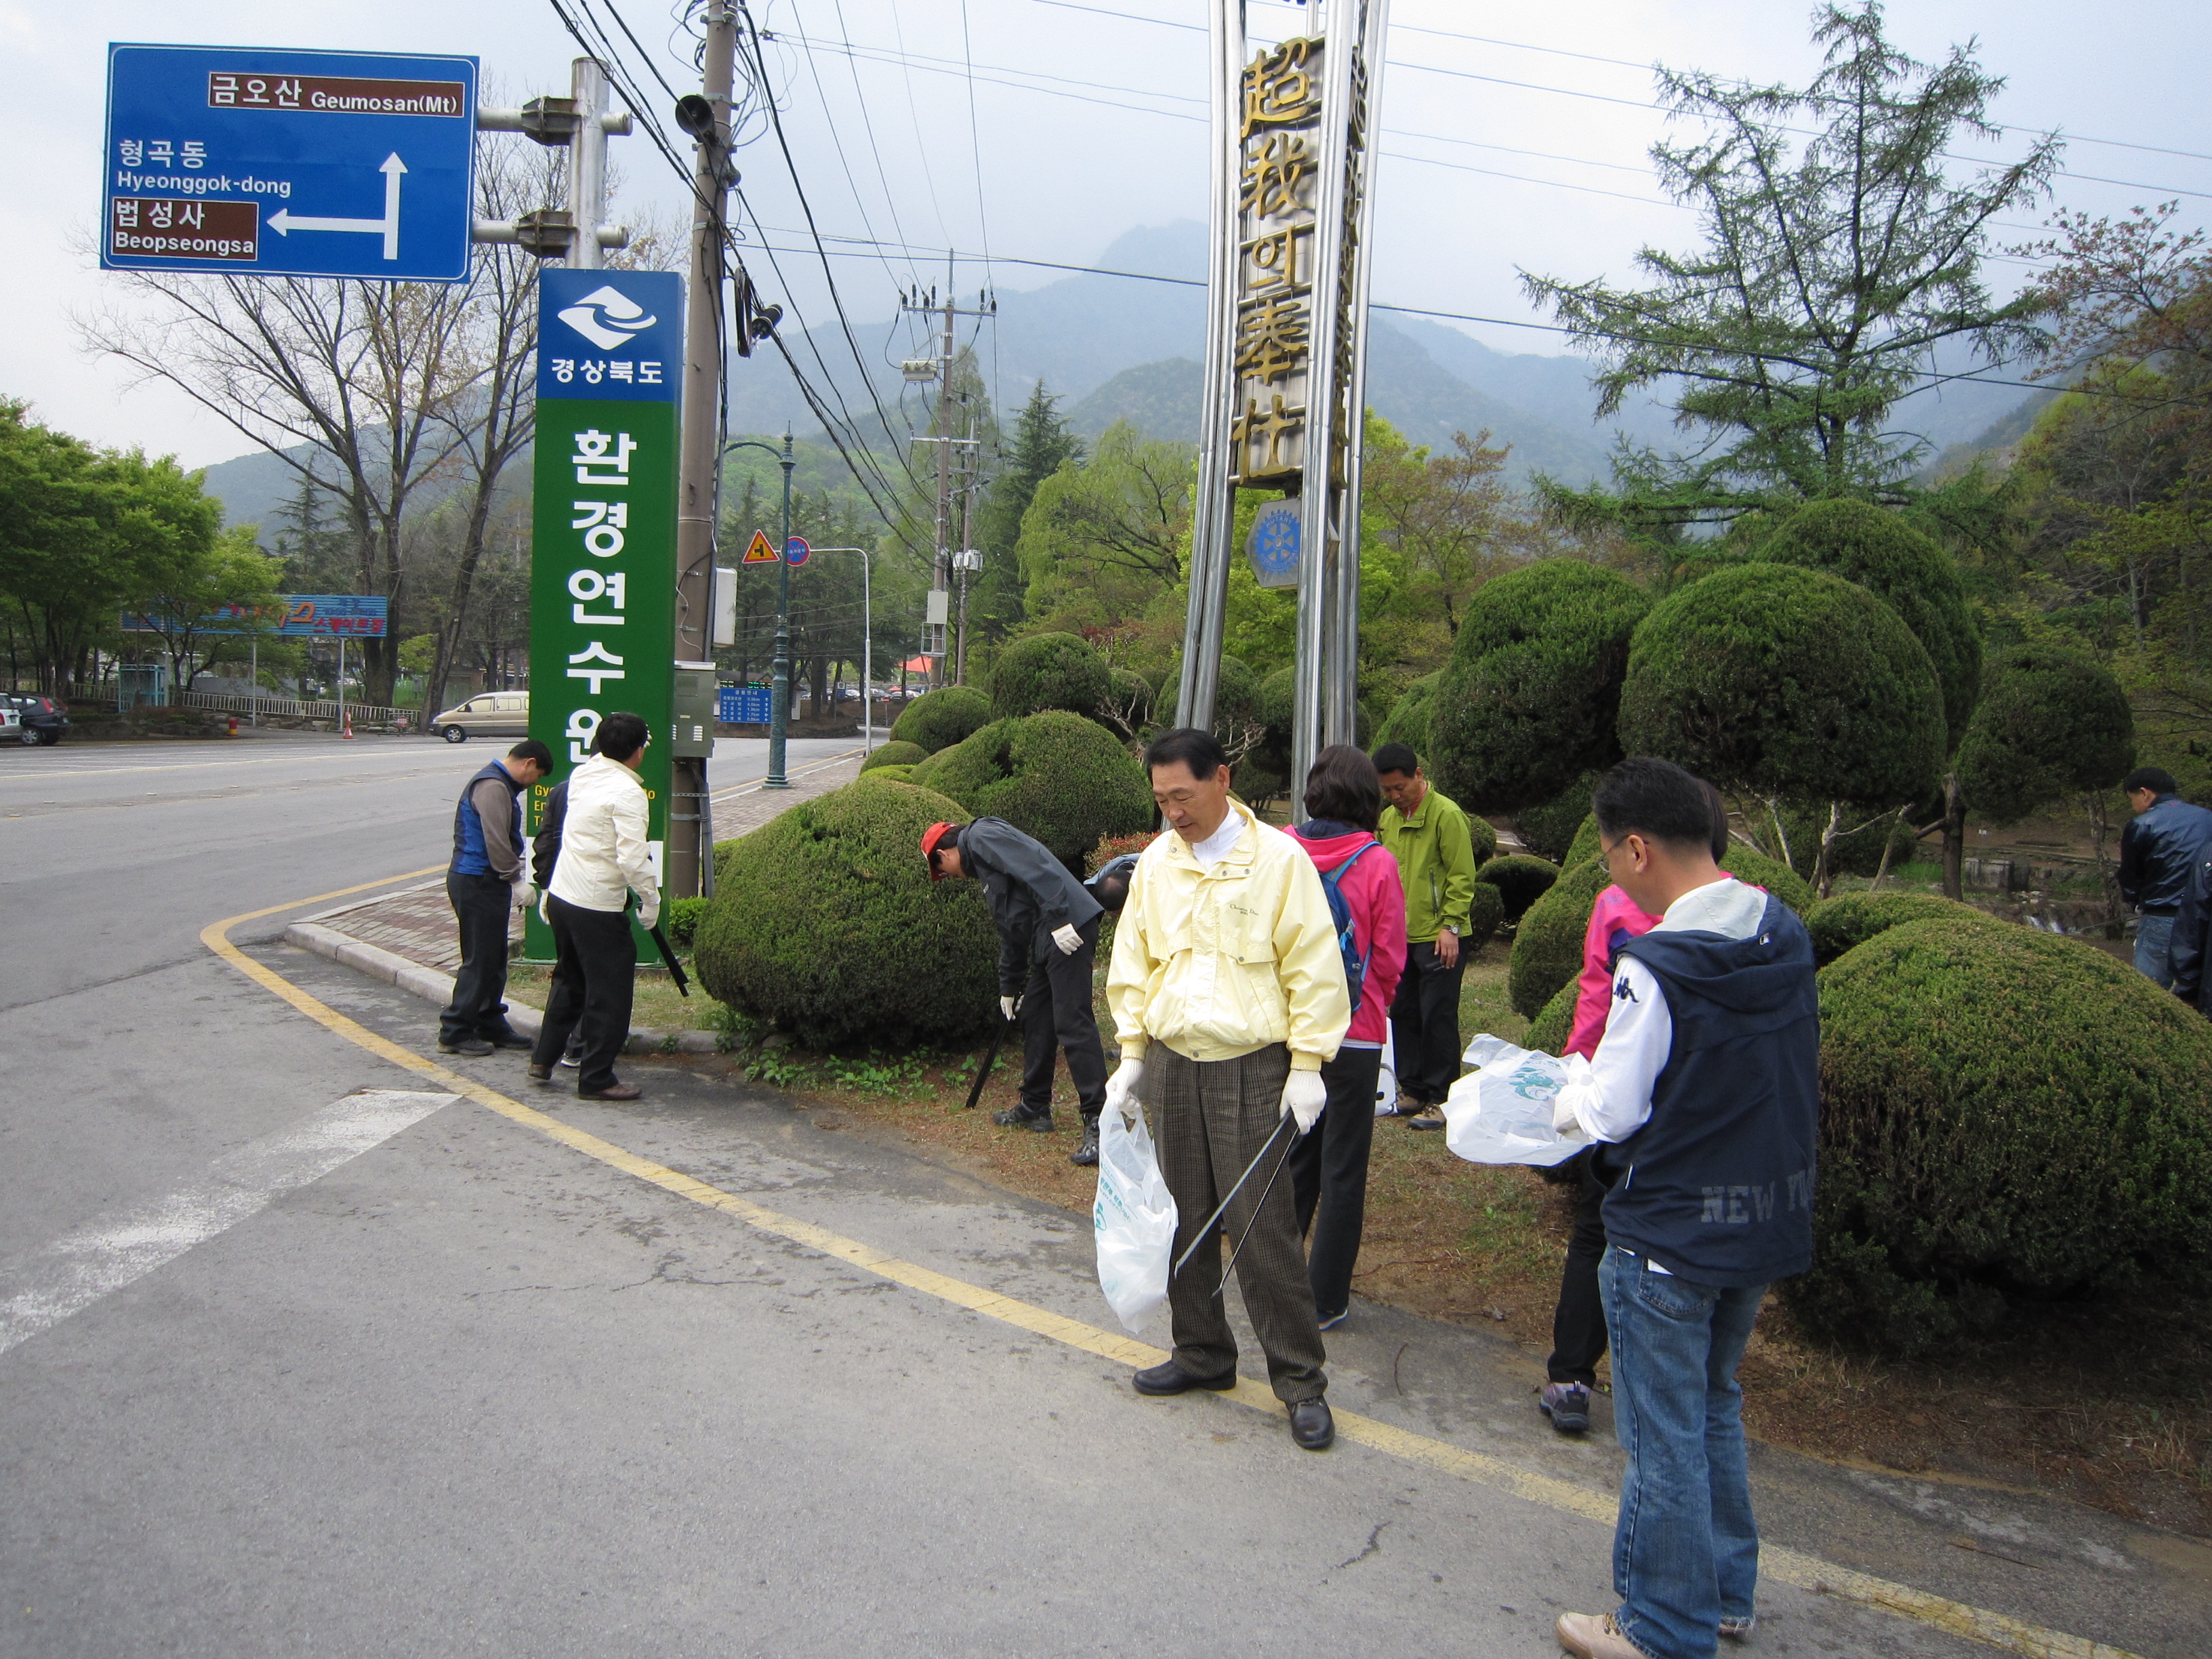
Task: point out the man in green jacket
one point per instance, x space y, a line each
1425 831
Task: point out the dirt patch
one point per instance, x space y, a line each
2107 1403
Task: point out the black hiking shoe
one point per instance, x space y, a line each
1087 1153
1021 1117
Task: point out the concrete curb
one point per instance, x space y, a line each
391 968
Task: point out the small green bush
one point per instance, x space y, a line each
2052 722
1547 829
1520 879
889 774
1549 1031
826 921
679 919
2005 1115
937 720
1849 920
1527 704
1547 948
895 753
1587 844
1039 672
1486 913
1057 776
1408 720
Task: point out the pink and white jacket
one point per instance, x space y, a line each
1614 920
1377 898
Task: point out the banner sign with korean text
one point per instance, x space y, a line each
259 162
294 617
603 555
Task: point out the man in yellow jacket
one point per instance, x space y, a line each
1228 993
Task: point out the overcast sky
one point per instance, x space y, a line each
887 147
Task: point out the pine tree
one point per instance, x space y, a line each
1042 441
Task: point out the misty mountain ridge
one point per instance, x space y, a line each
1115 348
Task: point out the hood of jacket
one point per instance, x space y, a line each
1760 975
1338 843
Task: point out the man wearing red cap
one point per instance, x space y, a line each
1047 942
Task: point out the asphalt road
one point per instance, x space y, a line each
300 1353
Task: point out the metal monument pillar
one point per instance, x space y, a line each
1286 333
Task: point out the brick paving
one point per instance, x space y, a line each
417 922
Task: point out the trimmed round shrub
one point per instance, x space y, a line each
937 720
1909 572
1520 880
1786 682
1551 1029
1849 920
1048 670
1057 776
679 919
2005 1115
1235 694
1587 843
1547 828
1128 708
1486 913
1527 704
1408 720
895 753
1547 948
2052 722
889 774
826 921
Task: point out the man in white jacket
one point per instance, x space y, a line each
603 859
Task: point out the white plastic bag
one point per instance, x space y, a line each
1501 1113
1386 1080
1135 1217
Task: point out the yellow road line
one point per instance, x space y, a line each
1806 1572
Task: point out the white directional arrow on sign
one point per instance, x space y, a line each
284 222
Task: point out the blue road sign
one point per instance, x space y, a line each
798 549
616 334
748 707
258 162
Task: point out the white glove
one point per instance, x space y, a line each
526 894
1303 1096
648 912
545 908
1010 1007
1068 939
1121 1087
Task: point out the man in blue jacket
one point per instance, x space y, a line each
1704 1095
2160 846
489 876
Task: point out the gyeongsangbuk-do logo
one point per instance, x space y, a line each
608 318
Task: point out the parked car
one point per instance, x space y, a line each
39 719
487 715
11 726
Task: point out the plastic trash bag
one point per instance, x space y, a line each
1386 1080
1135 1218
1501 1112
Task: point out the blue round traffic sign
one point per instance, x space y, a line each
796 550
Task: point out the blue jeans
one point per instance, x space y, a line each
2153 950
1686 1549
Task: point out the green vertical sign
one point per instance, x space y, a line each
602 546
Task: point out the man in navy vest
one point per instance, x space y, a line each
486 879
1705 1089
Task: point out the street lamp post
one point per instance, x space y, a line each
779 713
867 646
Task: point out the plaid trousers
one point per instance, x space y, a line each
1211 1118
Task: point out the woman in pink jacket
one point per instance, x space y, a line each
1329 1166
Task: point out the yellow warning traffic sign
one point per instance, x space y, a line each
758 551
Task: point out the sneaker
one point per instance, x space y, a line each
1330 1322
1588 1636
1567 1404
1737 1630
475 1047
1021 1117
573 1054
1086 1155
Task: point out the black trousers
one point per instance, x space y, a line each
1057 1014
1424 1020
1578 1322
1328 1175
481 906
595 978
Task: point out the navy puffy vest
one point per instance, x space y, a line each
468 858
1717 1186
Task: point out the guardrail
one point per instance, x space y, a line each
293 708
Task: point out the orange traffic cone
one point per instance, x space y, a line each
233 725
348 732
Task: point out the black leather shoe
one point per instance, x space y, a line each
1311 1425
510 1040
1168 1377
1087 1153
475 1047
540 1073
